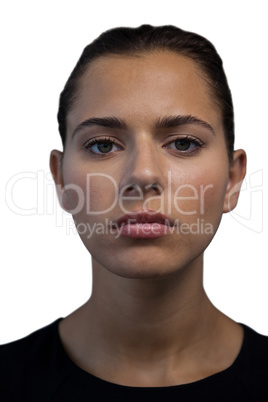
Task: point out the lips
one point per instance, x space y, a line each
144 225
144 217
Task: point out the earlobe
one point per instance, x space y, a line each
236 177
56 170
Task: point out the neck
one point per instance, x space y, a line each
164 328
149 316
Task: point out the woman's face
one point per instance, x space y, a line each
157 123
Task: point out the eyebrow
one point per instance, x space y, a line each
175 121
110 122
164 122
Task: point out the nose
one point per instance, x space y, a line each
143 170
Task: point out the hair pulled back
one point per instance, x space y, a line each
147 38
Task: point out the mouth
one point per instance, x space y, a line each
144 225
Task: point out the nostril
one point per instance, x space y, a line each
154 186
131 187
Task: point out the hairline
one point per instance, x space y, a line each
215 103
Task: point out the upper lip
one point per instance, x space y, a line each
144 217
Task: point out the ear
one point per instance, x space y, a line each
236 176
56 170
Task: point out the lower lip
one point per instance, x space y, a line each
145 230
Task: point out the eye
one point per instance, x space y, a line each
185 145
102 145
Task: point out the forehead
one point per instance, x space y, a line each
140 89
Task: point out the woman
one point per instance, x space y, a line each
147 169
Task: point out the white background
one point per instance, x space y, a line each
45 269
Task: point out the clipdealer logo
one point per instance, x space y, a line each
103 228
38 189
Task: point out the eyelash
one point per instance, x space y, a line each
94 141
198 145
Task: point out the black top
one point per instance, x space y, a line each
37 369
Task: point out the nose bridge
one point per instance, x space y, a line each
143 165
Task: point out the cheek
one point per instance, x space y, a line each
101 193
90 193
200 194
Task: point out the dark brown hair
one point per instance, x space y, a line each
146 38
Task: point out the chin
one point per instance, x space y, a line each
142 274
143 268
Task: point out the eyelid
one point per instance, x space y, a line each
89 144
198 144
184 137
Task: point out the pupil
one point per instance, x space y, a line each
105 147
182 145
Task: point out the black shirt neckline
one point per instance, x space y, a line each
219 376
